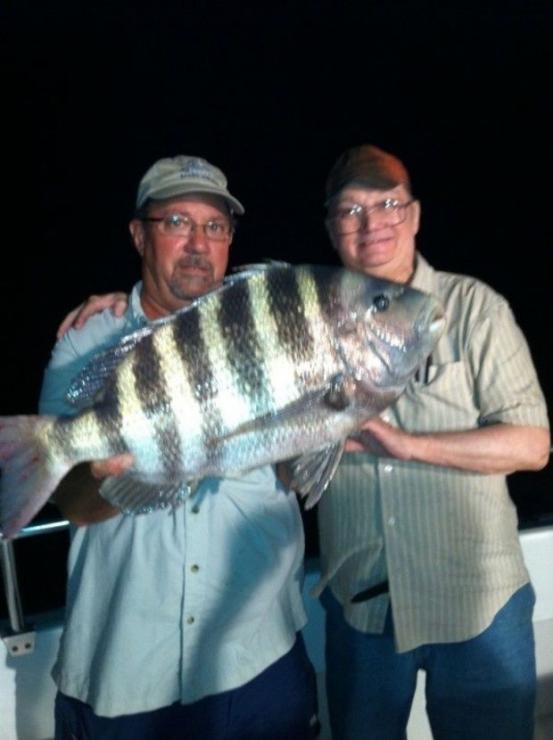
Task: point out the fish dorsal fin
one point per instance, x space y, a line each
89 383
243 272
312 472
252 267
133 496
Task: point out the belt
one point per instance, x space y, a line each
370 593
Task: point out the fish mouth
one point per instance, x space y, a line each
433 326
437 325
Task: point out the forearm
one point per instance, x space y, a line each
500 449
494 449
78 498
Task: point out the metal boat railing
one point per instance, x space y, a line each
20 636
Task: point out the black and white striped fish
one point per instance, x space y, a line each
280 362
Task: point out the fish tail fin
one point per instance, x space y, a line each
29 475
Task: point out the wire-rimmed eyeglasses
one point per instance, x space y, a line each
352 218
181 225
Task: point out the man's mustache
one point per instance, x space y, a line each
196 261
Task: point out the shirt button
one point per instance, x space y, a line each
190 620
391 521
195 509
194 568
388 468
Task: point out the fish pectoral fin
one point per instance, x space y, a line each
311 473
340 392
294 411
133 496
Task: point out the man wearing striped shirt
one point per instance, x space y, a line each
421 562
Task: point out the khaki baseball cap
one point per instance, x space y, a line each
182 175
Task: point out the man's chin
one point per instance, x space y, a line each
374 260
193 287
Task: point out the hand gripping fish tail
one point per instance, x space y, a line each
28 475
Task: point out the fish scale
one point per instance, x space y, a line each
280 363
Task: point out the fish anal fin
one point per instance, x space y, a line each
134 496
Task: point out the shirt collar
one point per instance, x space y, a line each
424 277
137 312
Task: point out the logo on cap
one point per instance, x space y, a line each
197 170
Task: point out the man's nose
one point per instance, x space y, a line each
372 219
197 240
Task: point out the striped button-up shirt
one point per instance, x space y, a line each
446 539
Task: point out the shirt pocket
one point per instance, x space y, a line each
441 400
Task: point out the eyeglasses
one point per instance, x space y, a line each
178 224
350 219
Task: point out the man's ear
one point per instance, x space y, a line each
416 205
136 227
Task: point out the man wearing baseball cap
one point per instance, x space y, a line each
184 623
422 567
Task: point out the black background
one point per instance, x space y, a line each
272 93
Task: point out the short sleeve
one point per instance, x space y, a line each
506 383
70 355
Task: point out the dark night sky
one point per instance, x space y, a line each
272 93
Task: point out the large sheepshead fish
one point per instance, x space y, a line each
280 362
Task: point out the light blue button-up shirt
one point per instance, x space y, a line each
177 604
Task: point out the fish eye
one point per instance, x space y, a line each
381 302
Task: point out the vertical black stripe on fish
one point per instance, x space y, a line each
109 417
243 352
151 391
62 435
288 312
189 340
326 281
